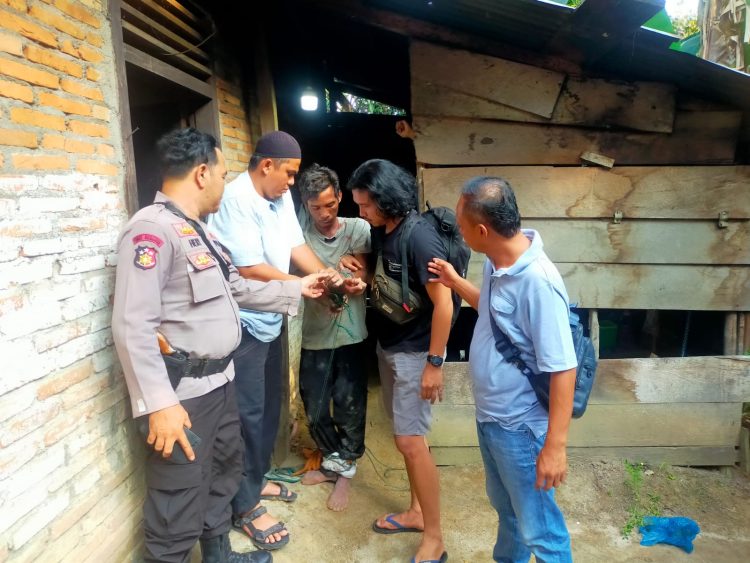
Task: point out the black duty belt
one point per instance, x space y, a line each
180 365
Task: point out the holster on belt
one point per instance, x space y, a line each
179 364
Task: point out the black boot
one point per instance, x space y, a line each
219 550
212 550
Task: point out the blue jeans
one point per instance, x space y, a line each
529 519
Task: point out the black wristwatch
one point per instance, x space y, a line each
436 361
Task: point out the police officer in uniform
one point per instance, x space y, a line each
175 324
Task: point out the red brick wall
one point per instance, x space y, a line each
235 130
70 483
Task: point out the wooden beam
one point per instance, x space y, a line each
699 379
132 33
160 68
673 192
177 7
652 455
677 424
166 17
698 138
136 17
523 87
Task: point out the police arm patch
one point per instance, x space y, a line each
145 257
148 237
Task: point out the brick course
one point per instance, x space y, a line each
66 449
235 130
67 443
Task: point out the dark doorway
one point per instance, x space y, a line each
337 57
157 105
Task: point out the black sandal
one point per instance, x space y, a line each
258 536
284 494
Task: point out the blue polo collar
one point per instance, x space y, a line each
530 255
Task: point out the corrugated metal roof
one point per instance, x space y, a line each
532 24
526 23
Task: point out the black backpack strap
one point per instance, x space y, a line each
405 235
506 348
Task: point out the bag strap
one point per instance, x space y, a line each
505 347
202 234
406 230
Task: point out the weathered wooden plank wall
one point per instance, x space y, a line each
680 410
639 192
670 175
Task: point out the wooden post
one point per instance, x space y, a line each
730 334
594 329
741 333
746 346
745 450
282 444
118 47
264 83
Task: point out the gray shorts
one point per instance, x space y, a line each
401 383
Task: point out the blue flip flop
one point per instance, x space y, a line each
398 527
283 474
443 559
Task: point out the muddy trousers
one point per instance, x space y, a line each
341 428
259 381
186 502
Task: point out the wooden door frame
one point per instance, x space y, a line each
207 116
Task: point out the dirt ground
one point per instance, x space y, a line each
595 500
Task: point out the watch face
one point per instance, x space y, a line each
436 361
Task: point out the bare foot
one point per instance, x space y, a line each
263 522
339 498
408 519
316 477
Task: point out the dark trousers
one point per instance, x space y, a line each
258 379
185 502
341 428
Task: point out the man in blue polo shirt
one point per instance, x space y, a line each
522 445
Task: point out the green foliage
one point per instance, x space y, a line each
642 503
357 104
575 3
685 26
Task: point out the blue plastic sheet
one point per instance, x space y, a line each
673 530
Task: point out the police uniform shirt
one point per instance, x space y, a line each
169 281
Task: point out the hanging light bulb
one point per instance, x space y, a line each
309 99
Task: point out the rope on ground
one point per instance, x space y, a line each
386 471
